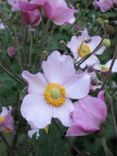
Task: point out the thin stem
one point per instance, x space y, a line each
105 147
4 140
11 75
10 150
112 112
18 51
110 69
31 44
67 140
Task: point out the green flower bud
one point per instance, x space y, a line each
106 42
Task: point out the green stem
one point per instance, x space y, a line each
10 150
105 147
112 112
31 44
67 140
11 75
18 51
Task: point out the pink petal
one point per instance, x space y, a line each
78 86
36 82
63 112
64 15
34 109
77 130
58 68
27 6
31 18
88 115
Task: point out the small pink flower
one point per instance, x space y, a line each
59 12
103 5
83 45
6 120
88 115
11 51
49 94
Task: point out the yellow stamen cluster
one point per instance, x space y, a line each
55 94
84 50
2 119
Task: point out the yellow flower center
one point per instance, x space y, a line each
84 50
104 68
2 119
55 94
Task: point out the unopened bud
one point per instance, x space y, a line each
106 42
11 51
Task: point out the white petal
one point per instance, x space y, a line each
100 51
92 60
34 109
78 86
74 45
97 66
36 82
63 112
58 68
95 41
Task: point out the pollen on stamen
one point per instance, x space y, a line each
55 94
84 50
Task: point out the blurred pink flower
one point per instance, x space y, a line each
31 18
103 5
11 51
88 115
50 94
6 120
114 1
30 13
83 45
59 12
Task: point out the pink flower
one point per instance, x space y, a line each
59 12
6 120
11 51
49 94
83 45
88 115
103 5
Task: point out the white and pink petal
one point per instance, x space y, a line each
35 110
78 86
